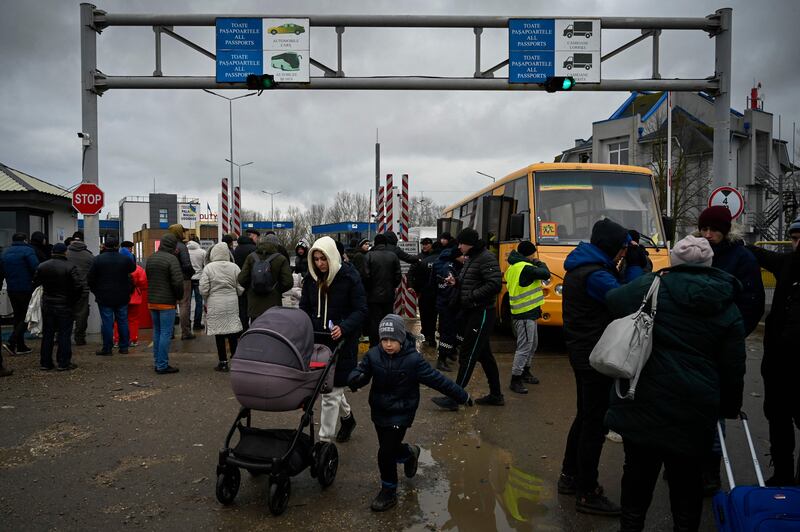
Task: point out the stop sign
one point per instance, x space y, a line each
87 198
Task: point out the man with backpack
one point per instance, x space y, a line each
265 276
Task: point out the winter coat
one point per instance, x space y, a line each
783 321
590 275
164 276
281 274
382 268
43 251
139 280
61 282
244 247
338 298
732 256
109 278
394 394
480 279
444 266
695 373
535 271
401 254
420 275
79 255
197 257
221 291
183 252
19 265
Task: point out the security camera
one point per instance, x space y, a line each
85 138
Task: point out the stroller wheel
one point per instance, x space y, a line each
315 452
327 464
228 485
280 489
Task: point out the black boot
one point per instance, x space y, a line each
348 424
387 498
527 376
596 503
517 386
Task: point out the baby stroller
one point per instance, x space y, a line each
278 368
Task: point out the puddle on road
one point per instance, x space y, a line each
480 487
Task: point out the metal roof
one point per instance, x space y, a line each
12 180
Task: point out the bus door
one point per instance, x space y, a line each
449 225
497 211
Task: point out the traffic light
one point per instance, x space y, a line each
262 82
559 83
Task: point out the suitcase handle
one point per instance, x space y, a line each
725 457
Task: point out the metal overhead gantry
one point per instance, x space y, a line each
95 82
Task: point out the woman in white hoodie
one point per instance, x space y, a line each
221 291
334 298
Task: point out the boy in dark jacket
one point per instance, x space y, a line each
396 369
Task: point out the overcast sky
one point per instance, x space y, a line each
311 144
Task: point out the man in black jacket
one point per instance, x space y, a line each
109 280
382 267
478 284
79 255
781 363
425 287
62 285
391 245
244 247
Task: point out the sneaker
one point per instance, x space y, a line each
68 367
102 353
446 403
614 436
46 368
168 369
442 365
491 400
116 345
134 344
386 499
222 366
517 386
412 462
346 430
6 372
567 484
596 503
23 350
188 337
123 351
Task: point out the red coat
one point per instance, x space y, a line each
139 285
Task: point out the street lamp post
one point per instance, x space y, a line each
272 200
239 166
230 119
478 172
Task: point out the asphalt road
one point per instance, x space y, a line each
113 446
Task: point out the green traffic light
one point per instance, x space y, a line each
567 84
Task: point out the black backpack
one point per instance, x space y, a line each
261 280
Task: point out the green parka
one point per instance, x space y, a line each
696 370
281 274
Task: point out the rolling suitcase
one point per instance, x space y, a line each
746 508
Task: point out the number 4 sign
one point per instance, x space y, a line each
728 197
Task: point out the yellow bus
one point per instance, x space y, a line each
555 206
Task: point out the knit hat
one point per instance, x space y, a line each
609 236
77 235
692 250
446 236
363 241
794 226
228 238
59 249
717 217
526 248
392 326
425 241
380 239
468 236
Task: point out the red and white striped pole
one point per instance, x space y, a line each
404 209
237 212
224 216
379 206
389 204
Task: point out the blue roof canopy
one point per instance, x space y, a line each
343 227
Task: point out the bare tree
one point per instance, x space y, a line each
423 212
250 215
348 207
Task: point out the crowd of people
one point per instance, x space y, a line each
710 299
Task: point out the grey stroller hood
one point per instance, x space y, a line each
277 366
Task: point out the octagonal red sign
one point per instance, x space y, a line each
88 198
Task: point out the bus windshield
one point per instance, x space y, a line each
568 203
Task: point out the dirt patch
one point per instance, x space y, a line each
132 463
46 443
137 395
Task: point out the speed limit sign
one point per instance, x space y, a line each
728 197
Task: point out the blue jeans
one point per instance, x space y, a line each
108 315
198 304
163 325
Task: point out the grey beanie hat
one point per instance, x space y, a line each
392 326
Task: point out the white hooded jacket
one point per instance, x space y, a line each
327 246
220 291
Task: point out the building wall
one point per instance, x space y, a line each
168 202
132 216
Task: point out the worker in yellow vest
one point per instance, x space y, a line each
524 278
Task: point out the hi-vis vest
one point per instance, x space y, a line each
522 298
